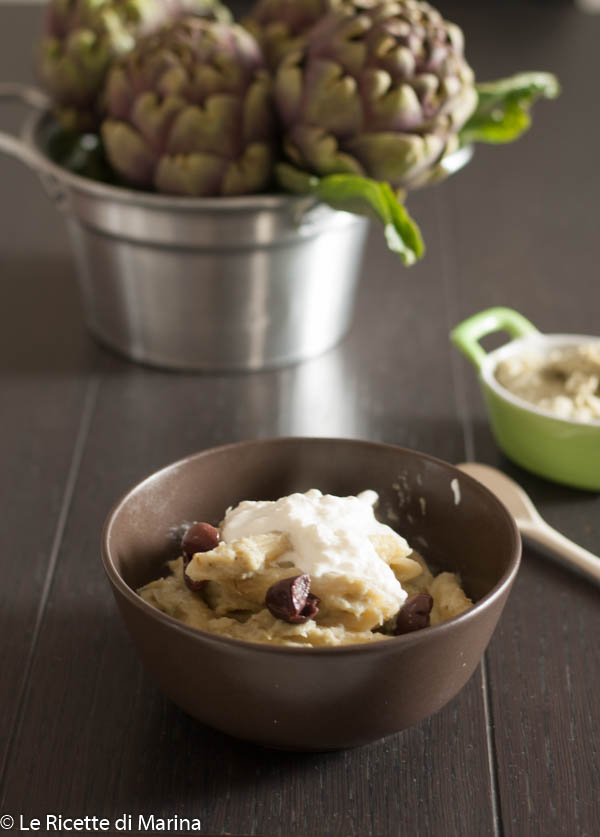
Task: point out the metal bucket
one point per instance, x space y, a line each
209 284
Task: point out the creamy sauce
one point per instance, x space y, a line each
564 381
329 534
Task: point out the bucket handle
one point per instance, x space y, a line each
23 151
16 147
466 335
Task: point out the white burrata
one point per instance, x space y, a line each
328 534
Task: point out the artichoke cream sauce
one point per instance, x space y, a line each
563 380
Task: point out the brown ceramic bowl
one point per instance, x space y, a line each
321 698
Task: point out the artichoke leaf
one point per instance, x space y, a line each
129 153
362 196
502 112
193 175
247 174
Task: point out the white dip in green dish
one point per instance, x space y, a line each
564 380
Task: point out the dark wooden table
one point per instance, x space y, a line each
83 730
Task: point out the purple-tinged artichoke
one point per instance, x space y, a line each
189 112
279 25
81 37
380 92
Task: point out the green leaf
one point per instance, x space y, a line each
503 107
402 229
363 196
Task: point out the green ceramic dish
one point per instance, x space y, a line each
563 450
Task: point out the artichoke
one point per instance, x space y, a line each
190 112
381 90
82 37
279 25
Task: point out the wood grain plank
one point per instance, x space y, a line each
97 737
531 246
43 360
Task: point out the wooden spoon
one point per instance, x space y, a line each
530 523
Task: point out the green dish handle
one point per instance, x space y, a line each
466 336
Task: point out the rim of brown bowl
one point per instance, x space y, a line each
367 647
